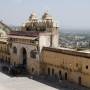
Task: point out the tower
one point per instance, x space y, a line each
46 28
52 28
50 36
31 24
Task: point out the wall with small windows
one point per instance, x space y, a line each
74 67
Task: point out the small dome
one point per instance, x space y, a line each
46 16
33 16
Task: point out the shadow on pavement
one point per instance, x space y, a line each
59 84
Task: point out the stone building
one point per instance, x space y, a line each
4 46
26 44
66 64
36 47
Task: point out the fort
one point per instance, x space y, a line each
36 46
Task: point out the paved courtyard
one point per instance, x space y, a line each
21 83
25 83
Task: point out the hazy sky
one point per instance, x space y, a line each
69 13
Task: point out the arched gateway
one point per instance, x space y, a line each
23 56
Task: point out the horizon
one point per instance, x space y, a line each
74 15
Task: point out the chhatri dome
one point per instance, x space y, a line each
34 23
33 16
46 16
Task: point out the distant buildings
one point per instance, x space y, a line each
74 41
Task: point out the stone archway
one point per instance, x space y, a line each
23 56
79 80
65 75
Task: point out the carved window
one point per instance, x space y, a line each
33 54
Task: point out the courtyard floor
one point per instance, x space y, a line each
34 83
25 83
21 83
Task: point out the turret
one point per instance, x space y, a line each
32 23
33 17
51 27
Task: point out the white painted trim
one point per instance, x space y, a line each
21 37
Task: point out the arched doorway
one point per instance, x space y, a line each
79 80
24 56
52 72
65 75
49 71
60 75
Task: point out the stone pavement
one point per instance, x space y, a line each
21 83
35 83
25 83
63 84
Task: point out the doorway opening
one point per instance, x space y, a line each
65 75
79 80
24 57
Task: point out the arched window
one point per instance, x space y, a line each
49 71
52 72
14 50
